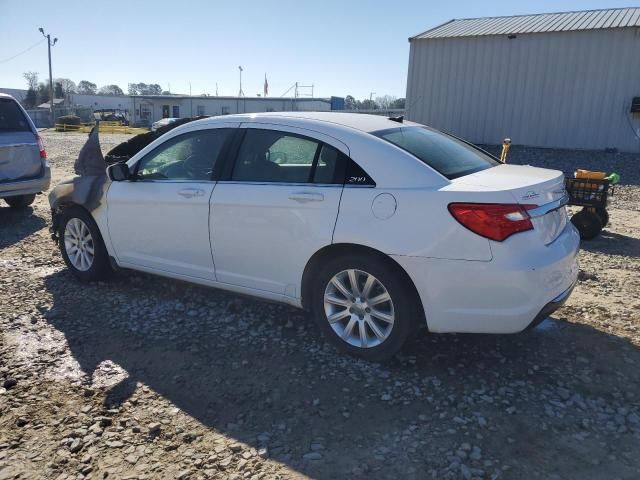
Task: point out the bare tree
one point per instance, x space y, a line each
385 101
32 79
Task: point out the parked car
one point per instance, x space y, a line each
24 170
375 226
162 123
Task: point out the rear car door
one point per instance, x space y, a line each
276 207
19 151
160 220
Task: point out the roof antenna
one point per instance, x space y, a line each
399 118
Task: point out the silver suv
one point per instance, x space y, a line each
24 170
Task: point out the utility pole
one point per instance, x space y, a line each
49 45
371 96
240 93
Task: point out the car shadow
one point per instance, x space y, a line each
258 373
23 222
612 243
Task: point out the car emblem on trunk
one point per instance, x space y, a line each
529 195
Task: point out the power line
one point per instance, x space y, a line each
23 52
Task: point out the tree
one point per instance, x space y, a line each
58 92
32 79
366 105
42 93
385 101
398 103
86 87
349 103
144 89
31 98
110 90
68 86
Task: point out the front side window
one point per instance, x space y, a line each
191 156
273 156
445 154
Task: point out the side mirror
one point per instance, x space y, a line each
119 172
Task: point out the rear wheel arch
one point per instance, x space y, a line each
346 249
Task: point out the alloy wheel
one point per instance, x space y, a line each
359 308
78 243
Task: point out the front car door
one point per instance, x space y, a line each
276 206
159 221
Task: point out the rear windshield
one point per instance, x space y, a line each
451 157
11 117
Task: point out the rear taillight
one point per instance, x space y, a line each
496 221
43 152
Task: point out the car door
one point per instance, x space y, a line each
276 207
160 219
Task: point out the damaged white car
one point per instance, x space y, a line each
377 226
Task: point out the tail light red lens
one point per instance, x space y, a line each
43 152
496 221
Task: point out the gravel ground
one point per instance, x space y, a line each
143 377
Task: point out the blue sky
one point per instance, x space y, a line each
342 46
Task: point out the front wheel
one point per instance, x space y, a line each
20 201
81 245
365 306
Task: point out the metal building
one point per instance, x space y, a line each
563 80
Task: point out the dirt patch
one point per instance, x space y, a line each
143 377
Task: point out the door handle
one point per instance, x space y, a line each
304 197
191 192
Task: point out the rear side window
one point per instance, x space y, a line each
445 154
281 157
11 117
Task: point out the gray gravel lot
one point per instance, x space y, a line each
143 377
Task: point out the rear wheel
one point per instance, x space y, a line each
20 201
588 224
364 306
81 245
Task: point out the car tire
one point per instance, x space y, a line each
20 201
588 224
382 338
89 260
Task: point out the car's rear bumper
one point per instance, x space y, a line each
551 307
27 187
504 295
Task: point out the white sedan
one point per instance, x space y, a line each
376 226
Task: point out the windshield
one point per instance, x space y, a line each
11 117
449 156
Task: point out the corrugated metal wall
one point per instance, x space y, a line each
560 89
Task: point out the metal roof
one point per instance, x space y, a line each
537 23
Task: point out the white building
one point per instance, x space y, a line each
565 80
151 108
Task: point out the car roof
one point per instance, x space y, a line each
6 95
358 121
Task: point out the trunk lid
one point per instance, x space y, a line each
19 156
528 186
